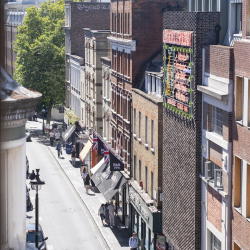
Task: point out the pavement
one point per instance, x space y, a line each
116 237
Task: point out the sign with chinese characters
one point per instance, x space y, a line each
178 70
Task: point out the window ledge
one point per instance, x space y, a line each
128 122
152 150
240 122
211 184
139 139
146 145
238 209
107 100
134 135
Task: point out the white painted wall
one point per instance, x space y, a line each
13 188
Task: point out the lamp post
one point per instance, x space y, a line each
37 185
43 112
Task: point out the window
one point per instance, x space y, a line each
218 177
237 182
239 98
236 247
134 120
217 120
248 192
247 18
139 124
139 170
152 133
135 170
238 18
152 185
248 119
146 129
146 179
215 243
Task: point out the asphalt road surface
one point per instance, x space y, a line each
62 214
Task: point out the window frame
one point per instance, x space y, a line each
215 127
152 133
146 129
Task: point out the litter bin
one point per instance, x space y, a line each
68 148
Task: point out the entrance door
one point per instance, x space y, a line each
143 234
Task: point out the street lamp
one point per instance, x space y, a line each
43 112
37 185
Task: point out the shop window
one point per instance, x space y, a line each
239 99
237 182
134 120
215 243
217 120
135 167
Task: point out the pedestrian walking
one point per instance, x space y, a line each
112 214
58 136
73 156
58 148
107 212
35 117
84 174
51 137
133 242
101 213
87 182
92 185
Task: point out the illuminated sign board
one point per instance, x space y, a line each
178 70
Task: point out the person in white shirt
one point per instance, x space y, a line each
112 214
133 242
58 136
51 136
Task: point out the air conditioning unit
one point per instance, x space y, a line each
208 170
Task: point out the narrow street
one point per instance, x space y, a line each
62 214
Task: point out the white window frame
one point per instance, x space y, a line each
215 120
212 241
218 173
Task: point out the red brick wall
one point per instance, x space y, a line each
214 207
216 154
241 143
98 19
219 61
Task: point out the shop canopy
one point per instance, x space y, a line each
68 132
85 150
108 182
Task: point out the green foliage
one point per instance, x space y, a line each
40 48
72 117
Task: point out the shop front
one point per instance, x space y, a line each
145 219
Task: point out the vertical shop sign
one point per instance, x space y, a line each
178 70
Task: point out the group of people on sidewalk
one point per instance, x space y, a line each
107 213
87 180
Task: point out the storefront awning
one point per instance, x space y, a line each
99 172
85 150
68 132
111 184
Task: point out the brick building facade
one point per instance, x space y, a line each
132 48
217 97
241 138
79 15
182 123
